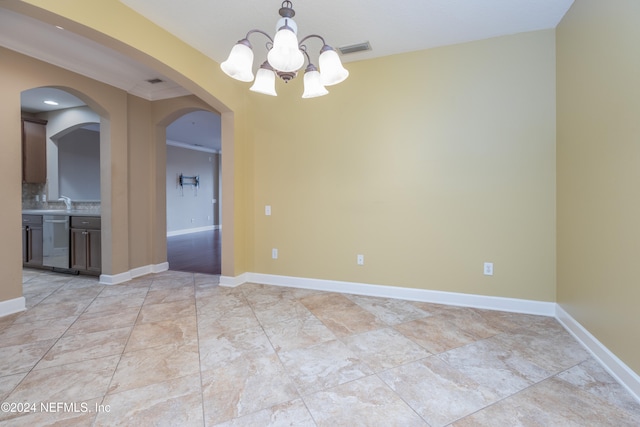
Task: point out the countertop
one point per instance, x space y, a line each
72 212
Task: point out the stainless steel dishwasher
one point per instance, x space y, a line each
55 241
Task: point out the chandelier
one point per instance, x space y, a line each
285 57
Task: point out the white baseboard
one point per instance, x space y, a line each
411 294
616 367
12 306
106 279
192 230
232 282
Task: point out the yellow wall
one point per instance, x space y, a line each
599 171
428 164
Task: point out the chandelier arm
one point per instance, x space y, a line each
303 48
261 32
310 36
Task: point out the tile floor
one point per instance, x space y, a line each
176 349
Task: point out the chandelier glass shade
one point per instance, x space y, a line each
285 57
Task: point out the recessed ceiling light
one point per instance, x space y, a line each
49 102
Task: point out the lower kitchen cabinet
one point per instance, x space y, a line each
32 240
86 253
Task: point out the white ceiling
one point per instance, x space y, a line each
213 27
391 27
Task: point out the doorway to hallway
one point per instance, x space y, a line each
195 252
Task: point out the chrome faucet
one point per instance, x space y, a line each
67 202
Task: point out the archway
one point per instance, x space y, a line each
71 145
193 189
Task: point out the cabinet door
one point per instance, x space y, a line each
34 151
94 251
78 249
32 246
35 245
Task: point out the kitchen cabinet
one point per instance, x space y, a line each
34 150
32 240
86 241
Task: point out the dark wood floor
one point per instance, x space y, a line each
195 252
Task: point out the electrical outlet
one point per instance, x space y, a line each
193 220
274 253
488 269
360 259
267 210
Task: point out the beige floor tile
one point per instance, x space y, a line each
341 315
471 321
138 290
76 348
181 331
217 301
271 313
226 347
34 298
8 383
439 393
230 320
167 311
551 403
292 413
41 330
115 304
66 294
172 281
265 294
243 386
74 382
56 310
592 378
389 311
158 296
153 365
322 366
298 332
364 402
384 349
553 350
435 333
22 358
494 366
103 321
176 402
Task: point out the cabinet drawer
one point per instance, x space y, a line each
92 222
32 219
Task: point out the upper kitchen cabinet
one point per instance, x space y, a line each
34 150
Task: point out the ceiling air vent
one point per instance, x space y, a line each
354 48
155 81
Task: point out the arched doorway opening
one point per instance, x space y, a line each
193 192
70 147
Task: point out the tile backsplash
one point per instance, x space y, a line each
31 192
